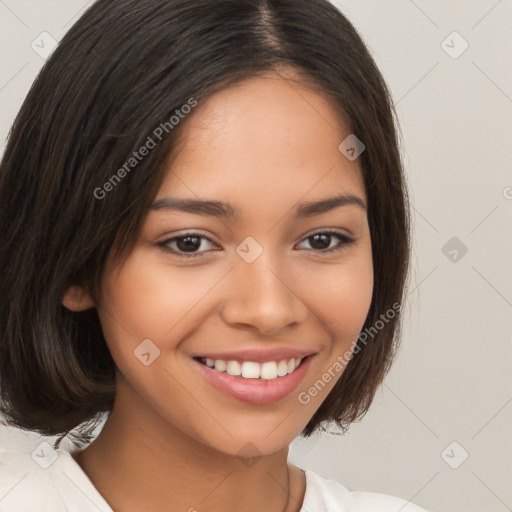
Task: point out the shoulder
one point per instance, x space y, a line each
25 486
333 496
46 480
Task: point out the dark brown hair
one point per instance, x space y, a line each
123 69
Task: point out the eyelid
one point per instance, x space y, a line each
336 231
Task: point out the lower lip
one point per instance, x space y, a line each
255 391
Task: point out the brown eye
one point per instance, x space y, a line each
321 242
186 246
188 243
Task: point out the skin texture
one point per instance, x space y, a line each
172 440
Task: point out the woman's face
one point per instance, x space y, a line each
259 288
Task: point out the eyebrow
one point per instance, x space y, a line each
226 210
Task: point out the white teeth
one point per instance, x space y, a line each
268 370
220 365
282 368
233 368
251 370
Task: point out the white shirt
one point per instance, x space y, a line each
50 480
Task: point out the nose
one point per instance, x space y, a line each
261 296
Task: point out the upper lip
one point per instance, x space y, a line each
258 355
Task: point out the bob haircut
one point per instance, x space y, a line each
123 69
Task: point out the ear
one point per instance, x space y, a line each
77 299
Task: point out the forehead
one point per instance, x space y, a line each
267 135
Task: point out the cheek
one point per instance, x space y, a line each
149 300
341 296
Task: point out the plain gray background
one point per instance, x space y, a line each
449 395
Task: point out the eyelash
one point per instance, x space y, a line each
164 245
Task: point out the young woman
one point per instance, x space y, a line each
205 235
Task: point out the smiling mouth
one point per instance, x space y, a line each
270 370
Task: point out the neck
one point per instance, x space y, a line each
141 462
